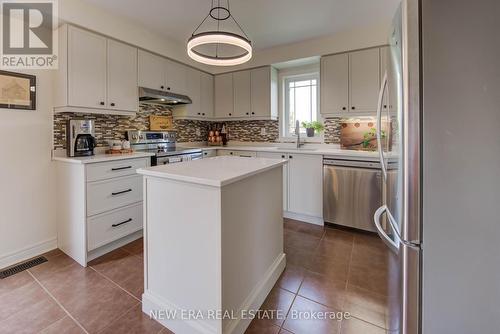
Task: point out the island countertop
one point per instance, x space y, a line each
216 171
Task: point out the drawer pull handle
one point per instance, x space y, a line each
124 222
121 192
120 168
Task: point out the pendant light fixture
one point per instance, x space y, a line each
214 41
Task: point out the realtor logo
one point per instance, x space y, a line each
29 39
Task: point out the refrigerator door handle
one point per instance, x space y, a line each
392 244
379 125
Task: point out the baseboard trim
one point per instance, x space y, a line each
95 253
304 218
152 303
256 298
28 252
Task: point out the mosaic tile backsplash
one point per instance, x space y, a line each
112 127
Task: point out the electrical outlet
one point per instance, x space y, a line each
198 132
263 131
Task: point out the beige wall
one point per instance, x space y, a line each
27 208
363 37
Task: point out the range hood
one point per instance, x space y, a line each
153 96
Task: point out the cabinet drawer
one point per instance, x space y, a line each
108 227
107 170
114 193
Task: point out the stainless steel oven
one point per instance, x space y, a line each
163 145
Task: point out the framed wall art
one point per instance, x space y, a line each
17 91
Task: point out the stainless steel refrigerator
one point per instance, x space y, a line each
398 220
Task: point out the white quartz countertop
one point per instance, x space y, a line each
216 171
332 152
100 157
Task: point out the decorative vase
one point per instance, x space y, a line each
310 132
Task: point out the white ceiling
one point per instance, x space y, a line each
268 23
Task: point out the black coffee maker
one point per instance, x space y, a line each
80 139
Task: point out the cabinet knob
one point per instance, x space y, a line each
344 108
199 113
112 104
162 87
283 157
247 113
101 103
230 114
253 113
353 108
203 114
290 156
385 106
231 153
168 88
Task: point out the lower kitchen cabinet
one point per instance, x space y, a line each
243 154
305 185
209 153
302 185
99 206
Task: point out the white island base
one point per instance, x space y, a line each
213 242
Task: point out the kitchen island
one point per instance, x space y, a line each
213 231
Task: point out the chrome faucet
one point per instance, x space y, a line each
297 132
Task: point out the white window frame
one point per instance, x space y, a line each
284 135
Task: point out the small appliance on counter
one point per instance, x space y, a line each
80 138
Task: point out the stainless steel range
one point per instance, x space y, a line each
163 144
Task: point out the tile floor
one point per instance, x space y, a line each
327 270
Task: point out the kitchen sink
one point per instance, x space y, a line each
295 149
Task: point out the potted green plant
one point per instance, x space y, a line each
312 127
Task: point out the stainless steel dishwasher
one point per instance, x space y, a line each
352 192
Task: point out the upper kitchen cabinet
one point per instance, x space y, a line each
264 92
384 56
350 83
207 95
242 94
364 72
245 95
334 84
200 88
122 76
96 74
176 77
224 96
152 71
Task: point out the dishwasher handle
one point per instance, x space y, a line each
351 163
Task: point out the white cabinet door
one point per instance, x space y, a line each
176 77
193 87
86 69
122 77
334 84
152 69
241 88
270 155
305 184
224 102
261 92
364 71
384 57
207 95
